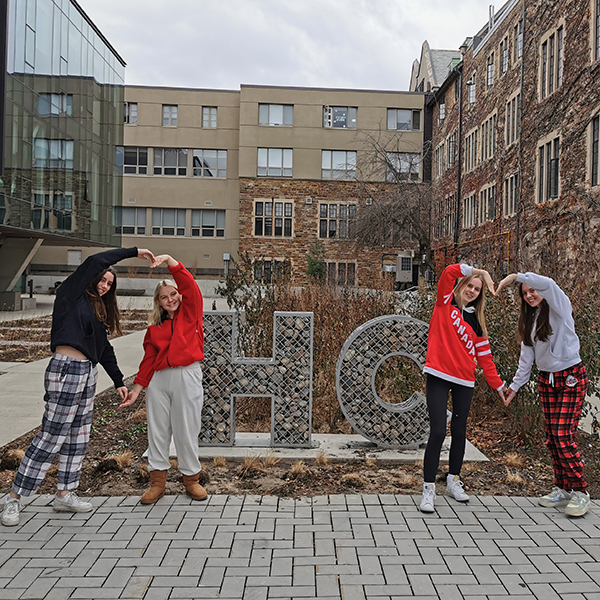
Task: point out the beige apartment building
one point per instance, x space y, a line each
265 170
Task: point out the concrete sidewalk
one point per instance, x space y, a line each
350 547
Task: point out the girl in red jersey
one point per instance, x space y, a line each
457 338
170 369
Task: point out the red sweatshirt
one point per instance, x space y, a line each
176 342
453 345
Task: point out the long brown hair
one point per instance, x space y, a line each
527 315
105 306
478 303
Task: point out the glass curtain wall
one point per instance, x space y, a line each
63 121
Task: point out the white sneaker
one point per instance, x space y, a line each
579 504
456 489
71 503
557 497
10 515
428 500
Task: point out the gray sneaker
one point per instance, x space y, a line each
579 504
557 497
71 503
10 515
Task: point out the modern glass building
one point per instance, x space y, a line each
63 119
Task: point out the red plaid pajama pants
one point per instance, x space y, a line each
561 396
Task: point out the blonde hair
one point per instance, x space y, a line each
478 303
157 315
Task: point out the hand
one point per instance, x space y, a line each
162 258
122 392
508 280
132 396
146 254
509 396
501 394
487 278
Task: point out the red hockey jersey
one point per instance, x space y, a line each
453 346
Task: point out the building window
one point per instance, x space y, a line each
487 204
132 160
273 218
170 161
208 223
336 220
504 56
490 70
513 119
339 117
551 63
338 164
451 147
129 221
471 88
52 211
342 274
55 104
439 160
169 115
269 271
402 119
470 211
210 163
130 113
275 114
442 111
595 150
274 162
445 217
518 40
168 221
488 137
548 170
209 117
596 30
53 154
511 194
471 151
402 166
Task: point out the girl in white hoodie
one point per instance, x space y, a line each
547 333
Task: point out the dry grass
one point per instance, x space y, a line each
270 459
174 463
408 480
322 459
371 463
12 459
143 472
298 468
353 480
514 478
219 462
124 459
512 459
251 466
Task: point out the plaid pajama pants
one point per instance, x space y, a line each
561 396
70 388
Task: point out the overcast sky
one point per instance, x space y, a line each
367 44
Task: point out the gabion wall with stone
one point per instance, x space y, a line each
388 425
286 378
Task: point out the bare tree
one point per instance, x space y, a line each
398 211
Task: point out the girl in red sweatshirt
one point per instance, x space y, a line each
171 372
457 338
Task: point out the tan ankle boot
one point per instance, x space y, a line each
193 488
158 479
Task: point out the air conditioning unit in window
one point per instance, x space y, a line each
369 201
308 200
327 116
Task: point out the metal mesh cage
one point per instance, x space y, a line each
388 425
286 378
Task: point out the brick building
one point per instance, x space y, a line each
267 171
515 143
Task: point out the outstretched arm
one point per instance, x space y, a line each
486 277
508 280
163 258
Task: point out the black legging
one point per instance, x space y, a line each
437 402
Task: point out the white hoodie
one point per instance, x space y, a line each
561 350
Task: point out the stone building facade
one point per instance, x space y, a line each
515 141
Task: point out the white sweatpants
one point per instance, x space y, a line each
174 406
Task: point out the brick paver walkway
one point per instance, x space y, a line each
345 546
